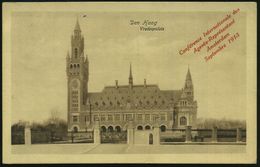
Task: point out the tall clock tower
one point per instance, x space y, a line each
77 77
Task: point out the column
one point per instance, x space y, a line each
27 134
156 133
130 133
214 137
188 134
239 136
96 132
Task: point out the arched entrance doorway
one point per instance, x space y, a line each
150 138
163 128
118 129
110 129
75 129
103 129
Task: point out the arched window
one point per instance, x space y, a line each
139 127
103 129
163 128
78 65
147 127
183 121
71 66
75 129
76 52
74 65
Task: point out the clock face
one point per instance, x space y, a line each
75 84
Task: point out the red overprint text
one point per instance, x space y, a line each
215 39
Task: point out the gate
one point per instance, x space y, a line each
82 137
114 137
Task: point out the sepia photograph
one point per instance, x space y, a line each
129 82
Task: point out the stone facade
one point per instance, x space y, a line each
116 105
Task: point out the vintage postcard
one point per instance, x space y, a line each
129 82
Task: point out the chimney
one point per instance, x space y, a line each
116 83
145 83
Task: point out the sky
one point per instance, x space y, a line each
41 40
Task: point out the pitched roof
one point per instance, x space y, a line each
137 97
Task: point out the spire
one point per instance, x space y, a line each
188 81
130 76
77 27
188 76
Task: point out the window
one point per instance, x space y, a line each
117 117
87 118
183 121
95 117
147 117
103 117
75 118
76 52
147 127
139 117
128 117
163 128
139 127
110 118
154 117
163 117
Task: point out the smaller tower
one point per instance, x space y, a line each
188 86
130 79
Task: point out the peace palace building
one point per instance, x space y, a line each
116 105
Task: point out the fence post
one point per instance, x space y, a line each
188 134
27 134
96 132
130 133
214 137
239 136
72 136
